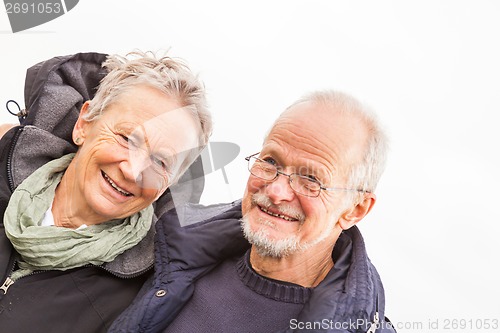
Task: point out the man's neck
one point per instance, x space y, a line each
306 268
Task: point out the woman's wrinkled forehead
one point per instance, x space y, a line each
173 132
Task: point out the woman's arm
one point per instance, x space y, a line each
4 128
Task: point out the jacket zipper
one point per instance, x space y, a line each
122 276
10 179
9 282
374 325
376 319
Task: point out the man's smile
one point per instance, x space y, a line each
277 214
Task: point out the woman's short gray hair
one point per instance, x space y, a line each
169 75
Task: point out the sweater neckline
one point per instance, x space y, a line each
273 289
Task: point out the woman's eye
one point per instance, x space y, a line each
127 141
123 138
158 162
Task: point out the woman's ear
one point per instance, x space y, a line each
357 212
81 126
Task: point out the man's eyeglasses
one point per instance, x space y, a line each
300 184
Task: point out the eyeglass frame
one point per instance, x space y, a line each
279 172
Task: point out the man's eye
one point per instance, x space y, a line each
311 177
311 184
269 160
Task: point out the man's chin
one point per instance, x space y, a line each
267 243
276 249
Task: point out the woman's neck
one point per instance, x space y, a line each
68 208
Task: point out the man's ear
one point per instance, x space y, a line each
81 125
356 213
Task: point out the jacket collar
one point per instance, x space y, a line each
351 293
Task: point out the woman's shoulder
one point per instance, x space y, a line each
197 235
196 214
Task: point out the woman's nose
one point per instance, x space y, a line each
137 163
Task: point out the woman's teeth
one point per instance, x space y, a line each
116 187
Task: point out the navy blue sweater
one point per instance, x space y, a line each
234 298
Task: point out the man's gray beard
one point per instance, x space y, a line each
268 247
279 248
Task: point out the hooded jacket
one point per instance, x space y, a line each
89 298
352 301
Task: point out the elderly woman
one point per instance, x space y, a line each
76 235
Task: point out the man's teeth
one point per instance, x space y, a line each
116 187
277 215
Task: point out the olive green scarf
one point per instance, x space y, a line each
59 248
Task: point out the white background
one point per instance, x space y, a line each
431 70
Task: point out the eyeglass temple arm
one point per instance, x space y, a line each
249 157
343 189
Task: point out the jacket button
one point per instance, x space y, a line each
161 293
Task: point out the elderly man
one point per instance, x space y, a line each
307 267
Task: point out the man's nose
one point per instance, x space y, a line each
280 190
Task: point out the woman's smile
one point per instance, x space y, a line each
113 184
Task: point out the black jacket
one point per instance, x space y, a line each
349 302
89 298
